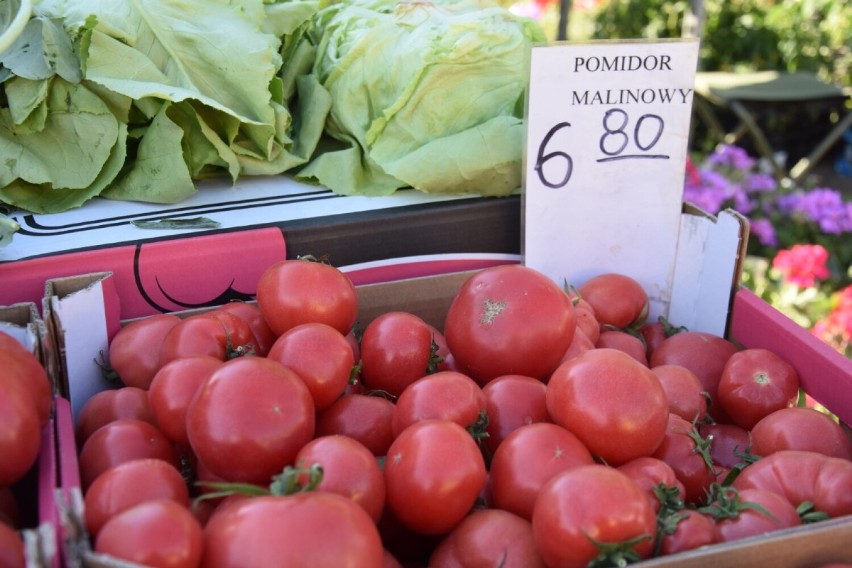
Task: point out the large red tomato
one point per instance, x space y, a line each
250 313
619 301
584 508
249 419
754 383
653 475
348 469
752 512
112 404
11 548
527 459
364 417
509 320
612 403
800 428
688 455
684 392
434 472
31 377
20 431
447 395
315 529
217 333
320 355
692 530
488 537
512 401
134 352
162 533
297 291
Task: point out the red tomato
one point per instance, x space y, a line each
121 441
803 476
128 484
441 350
583 507
316 528
684 450
161 533
446 395
527 459
250 313
216 334
134 352
320 355
11 548
22 366
651 475
612 403
364 417
579 343
684 392
490 537
509 320
396 349
348 469
249 419
20 436
654 333
173 388
705 354
434 472
512 401
106 406
755 512
619 300
293 292
799 428
729 443
588 323
754 383
693 530
630 344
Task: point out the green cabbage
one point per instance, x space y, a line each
424 94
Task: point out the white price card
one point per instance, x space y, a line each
606 145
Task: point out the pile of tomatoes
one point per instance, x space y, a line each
26 399
542 426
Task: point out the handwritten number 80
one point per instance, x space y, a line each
617 130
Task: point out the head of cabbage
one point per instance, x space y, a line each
424 94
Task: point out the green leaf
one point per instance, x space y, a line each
8 227
42 50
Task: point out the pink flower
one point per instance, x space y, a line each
836 328
802 265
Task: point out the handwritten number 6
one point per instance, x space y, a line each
542 158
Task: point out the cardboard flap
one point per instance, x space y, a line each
22 322
80 312
707 270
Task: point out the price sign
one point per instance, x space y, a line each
607 133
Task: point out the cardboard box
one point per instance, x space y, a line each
825 373
257 221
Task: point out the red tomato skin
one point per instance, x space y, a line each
128 484
509 320
587 323
512 401
590 502
249 419
649 472
134 351
349 469
749 522
20 435
623 341
106 406
320 355
754 383
32 378
250 313
293 292
216 334
11 548
161 533
121 441
705 354
434 472
612 403
445 395
693 531
173 388
527 459
678 450
619 301
800 428
366 418
579 344
489 537
728 440
305 529
395 351
684 392
803 476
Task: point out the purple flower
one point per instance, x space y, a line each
760 183
731 156
742 202
822 206
764 231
